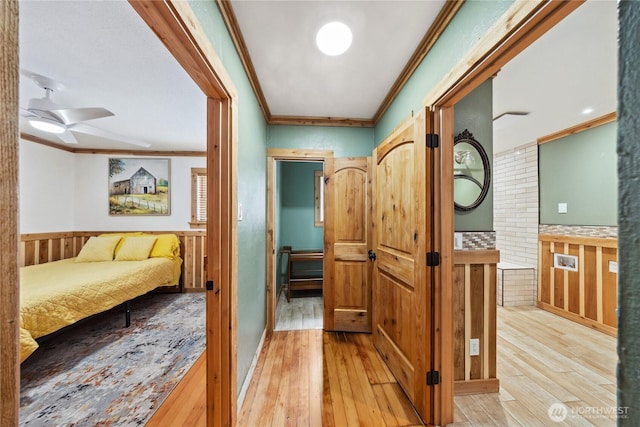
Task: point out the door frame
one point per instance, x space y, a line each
273 155
176 25
522 24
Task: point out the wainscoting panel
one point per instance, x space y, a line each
40 248
474 317
581 286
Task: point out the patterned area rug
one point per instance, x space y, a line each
101 373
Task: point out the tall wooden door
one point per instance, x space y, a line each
347 269
401 289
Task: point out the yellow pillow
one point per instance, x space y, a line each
135 248
98 249
167 245
132 233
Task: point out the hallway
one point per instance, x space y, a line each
316 378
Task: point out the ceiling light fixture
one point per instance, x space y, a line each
587 110
47 125
334 38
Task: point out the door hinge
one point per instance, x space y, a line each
433 259
433 377
433 140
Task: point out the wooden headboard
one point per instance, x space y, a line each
40 248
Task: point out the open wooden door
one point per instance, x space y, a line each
347 270
402 311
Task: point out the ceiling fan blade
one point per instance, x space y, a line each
90 130
74 115
67 137
26 113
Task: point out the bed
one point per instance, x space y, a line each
111 269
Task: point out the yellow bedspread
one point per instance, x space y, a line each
59 293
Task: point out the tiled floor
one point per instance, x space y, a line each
302 312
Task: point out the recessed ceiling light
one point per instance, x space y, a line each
587 111
334 38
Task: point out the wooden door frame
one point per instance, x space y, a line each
273 155
522 24
178 28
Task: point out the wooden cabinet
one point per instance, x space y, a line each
304 271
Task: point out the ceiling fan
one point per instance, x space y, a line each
46 115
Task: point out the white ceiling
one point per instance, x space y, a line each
298 80
570 68
106 56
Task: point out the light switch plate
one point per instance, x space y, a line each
240 213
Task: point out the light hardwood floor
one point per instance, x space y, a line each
313 378
300 313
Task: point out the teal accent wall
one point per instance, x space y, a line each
475 113
251 172
580 170
470 23
344 141
297 217
296 224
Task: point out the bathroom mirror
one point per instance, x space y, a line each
471 172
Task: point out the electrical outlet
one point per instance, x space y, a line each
474 347
457 241
562 208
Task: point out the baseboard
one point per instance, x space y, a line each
609 330
489 385
252 369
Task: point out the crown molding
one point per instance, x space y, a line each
320 121
432 35
75 150
590 124
231 22
438 26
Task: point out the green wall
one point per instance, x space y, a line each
580 170
475 113
252 137
344 141
295 209
297 216
470 23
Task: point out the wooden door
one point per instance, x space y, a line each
401 291
347 269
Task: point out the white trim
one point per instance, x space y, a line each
252 369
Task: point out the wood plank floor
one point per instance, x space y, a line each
300 313
313 378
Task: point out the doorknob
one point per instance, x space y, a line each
372 255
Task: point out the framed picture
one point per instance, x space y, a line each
565 262
139 186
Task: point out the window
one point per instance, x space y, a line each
198 198
319 198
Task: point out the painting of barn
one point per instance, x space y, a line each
139 186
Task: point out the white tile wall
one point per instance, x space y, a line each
515 201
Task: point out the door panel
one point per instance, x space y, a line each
401 312
347 283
